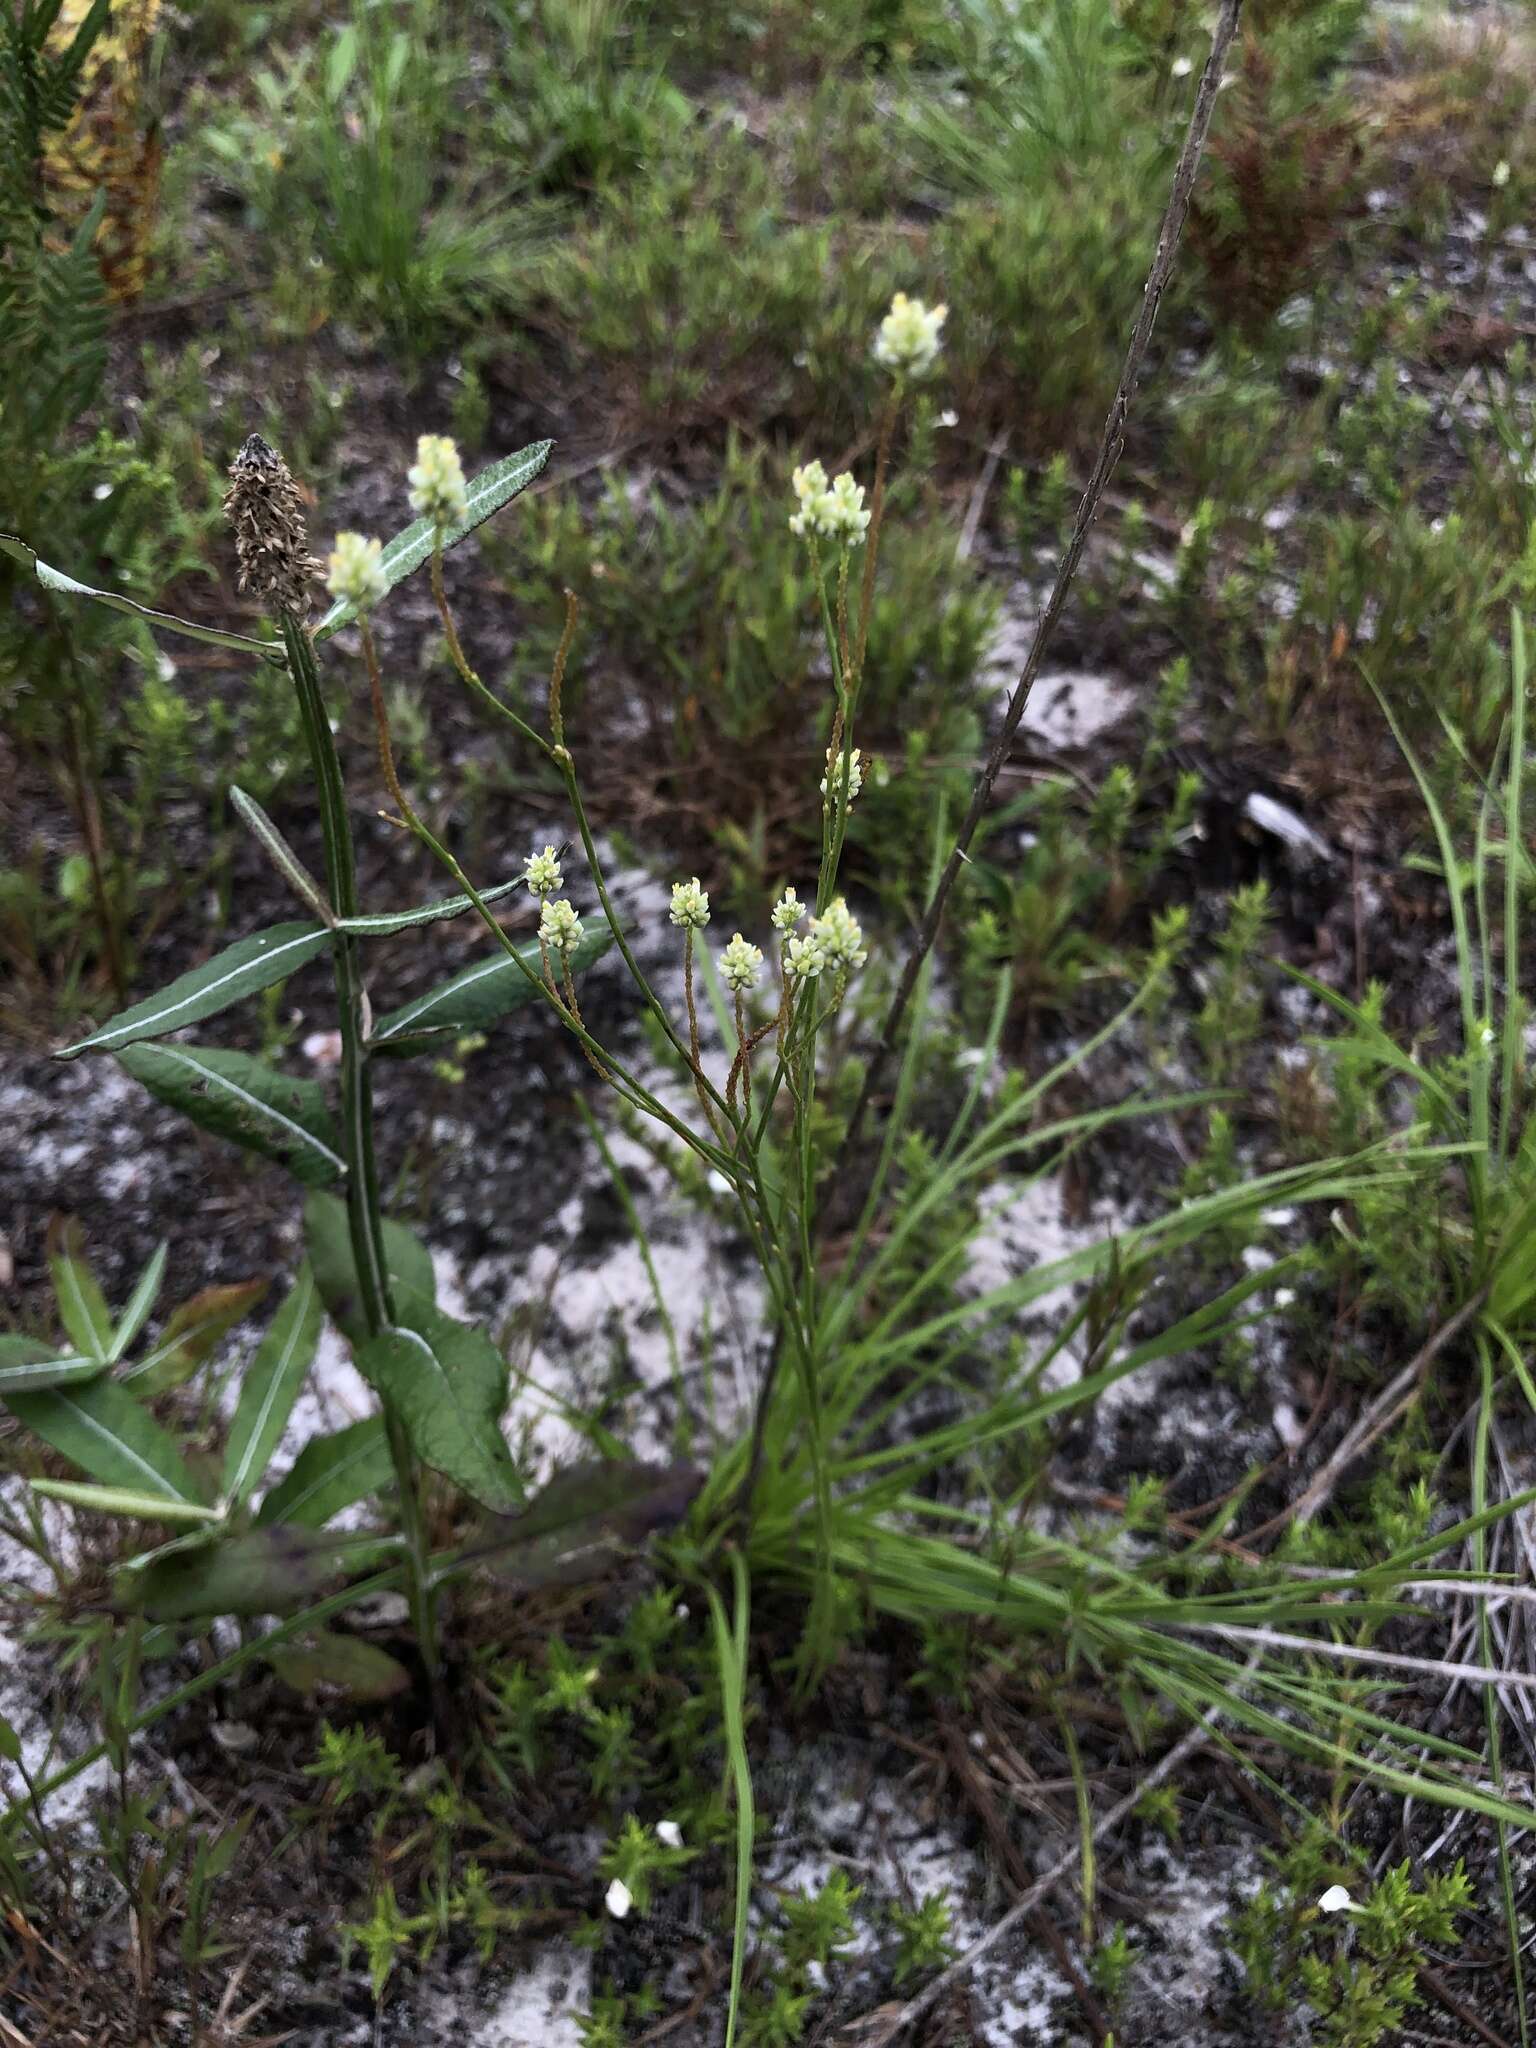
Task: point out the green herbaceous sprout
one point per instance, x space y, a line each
355 571
907 341
559 926
740 965
690 905
542 874
437 484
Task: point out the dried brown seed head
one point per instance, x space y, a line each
265 509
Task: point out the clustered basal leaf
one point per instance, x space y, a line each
690 905
264 507
355 571
559 926
740 965
542 874
436 479
907 341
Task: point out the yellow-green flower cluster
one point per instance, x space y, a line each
835 511
834 774
787 912
436 479
907 341
559 926
542 873
355 571
690 905
740 965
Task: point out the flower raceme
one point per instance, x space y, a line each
355 571
559 926
787 912
542 874
740 965
437 483
690 905
832 511
907 341
834 773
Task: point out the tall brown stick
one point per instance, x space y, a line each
1112 442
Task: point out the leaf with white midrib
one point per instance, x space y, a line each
239 970
271 1386
236 1097
106 1432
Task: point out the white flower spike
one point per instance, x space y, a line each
355 571
669 1834
835 511
619 1899
908 340
740 965
834 774
839 937
436 479
542 873
690 905
787 912
559 926
804 956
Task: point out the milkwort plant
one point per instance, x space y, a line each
844 1487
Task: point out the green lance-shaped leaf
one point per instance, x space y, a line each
242 1099
271 1386
331 1473
120 1500
259 1571
478 996
379 924
281 855
448 1384
329 1244
487 493
27 1367
360 1670
586 1516
82 1306
163 622
240 970
110 1436
191 1333
143 1298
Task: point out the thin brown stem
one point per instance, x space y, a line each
1111 443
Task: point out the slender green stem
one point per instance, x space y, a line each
365 1216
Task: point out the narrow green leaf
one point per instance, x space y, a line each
329 1243
140 1302
448 1384
120 1500
240 970
164 622
282 855
331 1473
260 1571
488 492
382 923
249 1103
359 1669
586 1516
27 1367
106 1432
190 1335
82 1306
478 996
271 1386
